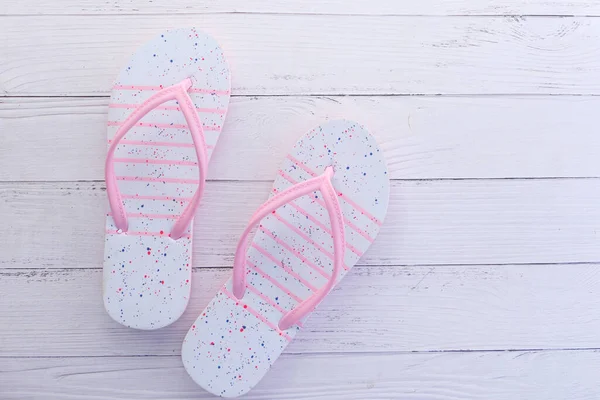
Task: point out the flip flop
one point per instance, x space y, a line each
326 207
165 114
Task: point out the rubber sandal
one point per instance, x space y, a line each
327 205
165 114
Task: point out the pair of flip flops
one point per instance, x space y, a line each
328 202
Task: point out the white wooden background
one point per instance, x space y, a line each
484 281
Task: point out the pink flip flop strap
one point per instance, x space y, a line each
323 184
176 92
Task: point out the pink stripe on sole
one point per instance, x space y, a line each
294 252
165 126
322 203
360 209
301 165
169 108
191 90
322 226
164 180
256 314
154 161
287 269
152 216
268 301
273 281
148 143
345 198
305 237
141 233
163 198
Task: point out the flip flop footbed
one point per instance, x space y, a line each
147 275
234 342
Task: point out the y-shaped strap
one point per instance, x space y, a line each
323 184
176 92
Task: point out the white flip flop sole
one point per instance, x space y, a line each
233 343
147 275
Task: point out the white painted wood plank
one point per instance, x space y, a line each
62 55
450 376
429 222
63 139
441 213
341 7
375 309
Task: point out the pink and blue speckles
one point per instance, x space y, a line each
225 327
146 273
234 342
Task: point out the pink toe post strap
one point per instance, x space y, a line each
323 184
176 92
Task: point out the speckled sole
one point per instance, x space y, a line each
147 275
232 344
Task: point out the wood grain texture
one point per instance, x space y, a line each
340 7
374 309
64 139
481 285
450 376
312 54
428 222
